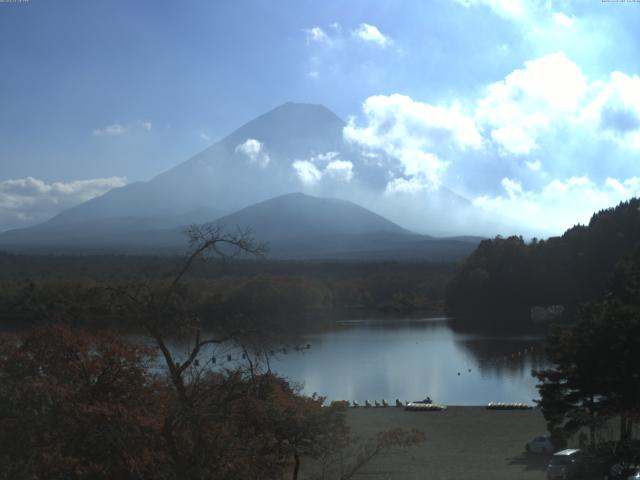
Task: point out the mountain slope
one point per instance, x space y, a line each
299 215
221 177
295 226
99 232
294 147
299 226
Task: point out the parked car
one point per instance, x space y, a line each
623 472
567 464
540 444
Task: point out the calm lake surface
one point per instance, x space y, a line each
408 359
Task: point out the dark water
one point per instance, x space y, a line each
408 360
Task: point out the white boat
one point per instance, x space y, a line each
424 407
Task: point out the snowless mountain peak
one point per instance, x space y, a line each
295 147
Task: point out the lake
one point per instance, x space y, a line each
408 359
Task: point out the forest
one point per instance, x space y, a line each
593 382
77 403
500 283
300 294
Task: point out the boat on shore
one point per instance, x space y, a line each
424 407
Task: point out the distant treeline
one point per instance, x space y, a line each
505 277
76 288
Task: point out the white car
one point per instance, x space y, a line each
570 463
541 444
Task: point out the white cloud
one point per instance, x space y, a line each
550 104
412 185
307 172
534 166
552 93
25 201
254 150
116 129
559 204
512 187
333 47
316 35
541 24
564 20
413 132
324 165
336 37
340 169
548 115
110 130
615 109
371 33
323 158
397 120
424 171
529 101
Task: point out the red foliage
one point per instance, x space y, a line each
79 406
75 405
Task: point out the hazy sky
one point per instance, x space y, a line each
528 108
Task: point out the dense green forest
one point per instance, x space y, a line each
299 294
504 278
594 377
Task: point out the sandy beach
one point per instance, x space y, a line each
469 443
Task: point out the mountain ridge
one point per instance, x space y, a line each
294 225
317 215
226 177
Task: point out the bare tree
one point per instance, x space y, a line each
166 311
273 423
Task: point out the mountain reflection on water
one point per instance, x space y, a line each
408 359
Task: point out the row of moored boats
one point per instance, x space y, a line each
428 405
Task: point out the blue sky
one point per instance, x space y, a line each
96 94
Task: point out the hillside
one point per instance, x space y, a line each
297 214
299 226
505 277
295 226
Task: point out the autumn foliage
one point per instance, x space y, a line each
74 405
79 405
